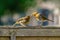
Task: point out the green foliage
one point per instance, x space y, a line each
44 0
16 5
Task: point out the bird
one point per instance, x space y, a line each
22 21
40 17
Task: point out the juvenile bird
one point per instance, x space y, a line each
22 21
40 17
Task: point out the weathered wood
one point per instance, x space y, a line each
38 38
4 38
30 27
13 36
33 31
25 33
38 32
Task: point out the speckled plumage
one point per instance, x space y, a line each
23 21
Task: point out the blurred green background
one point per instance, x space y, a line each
11 10
15 5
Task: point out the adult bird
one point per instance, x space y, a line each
40 18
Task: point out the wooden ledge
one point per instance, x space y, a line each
30 31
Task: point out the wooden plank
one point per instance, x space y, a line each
12 34
30 32
13 37
31 27
38 38
4 38
38 32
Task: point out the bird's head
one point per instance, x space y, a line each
34 13
27 17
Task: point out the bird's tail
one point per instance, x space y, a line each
50 20
47 18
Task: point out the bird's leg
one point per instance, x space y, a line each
40 21
41 24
